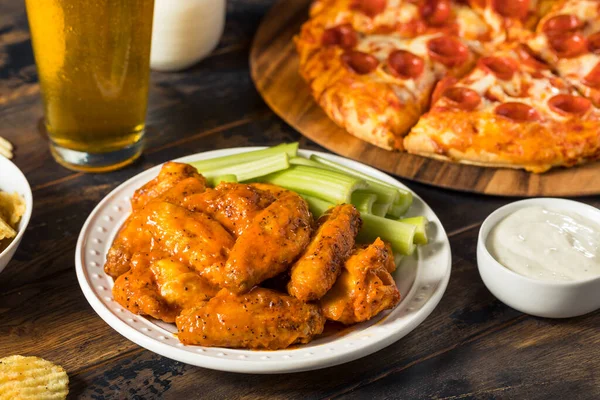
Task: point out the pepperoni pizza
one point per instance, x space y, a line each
377 66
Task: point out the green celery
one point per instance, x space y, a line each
252 169
420 223
399 209
380 209
222 178
317 206
385 192
291 149
332 186
399 234
349 170
306 162
363 201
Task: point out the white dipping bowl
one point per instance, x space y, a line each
531 296
12 180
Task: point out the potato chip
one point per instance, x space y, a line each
6 231
6 148
32 378
12 208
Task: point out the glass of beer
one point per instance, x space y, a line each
93 62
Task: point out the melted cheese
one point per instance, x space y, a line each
397 14
584 9
470 23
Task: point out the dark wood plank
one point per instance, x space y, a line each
501 366
274 66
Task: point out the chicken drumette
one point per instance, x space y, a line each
259 319
365 287
321 262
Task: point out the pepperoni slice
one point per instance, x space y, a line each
359 62
594 43
370 7
562 23
436 12
462 98
511 8
568 45
567 104
441 86
530 59
517 112
342 35
405 64
592 79
503 67
448 51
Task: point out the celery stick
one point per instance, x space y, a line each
317 206
363 201
401 205
399 209
380 209
385 194
332 186
385 191
252 169
421 232
222 178
305 161
291 149
399 234
349 170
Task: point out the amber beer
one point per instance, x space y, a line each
93 61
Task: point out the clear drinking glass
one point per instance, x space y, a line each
93 61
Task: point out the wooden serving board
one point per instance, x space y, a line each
274 68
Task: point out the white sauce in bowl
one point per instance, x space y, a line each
547 244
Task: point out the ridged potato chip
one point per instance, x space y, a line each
12 208
32 378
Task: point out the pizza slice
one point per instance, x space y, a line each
568 38
377 86
510 111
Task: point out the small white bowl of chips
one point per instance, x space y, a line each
16 203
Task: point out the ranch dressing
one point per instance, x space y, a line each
547 244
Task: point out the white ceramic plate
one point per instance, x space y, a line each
421 278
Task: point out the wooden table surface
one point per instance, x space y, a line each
472 345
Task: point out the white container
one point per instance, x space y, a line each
184 32
12 180
531 296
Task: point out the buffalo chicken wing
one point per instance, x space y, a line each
365 287
321 263
234 205
170 174
259 319
192 238
276 237
173 184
